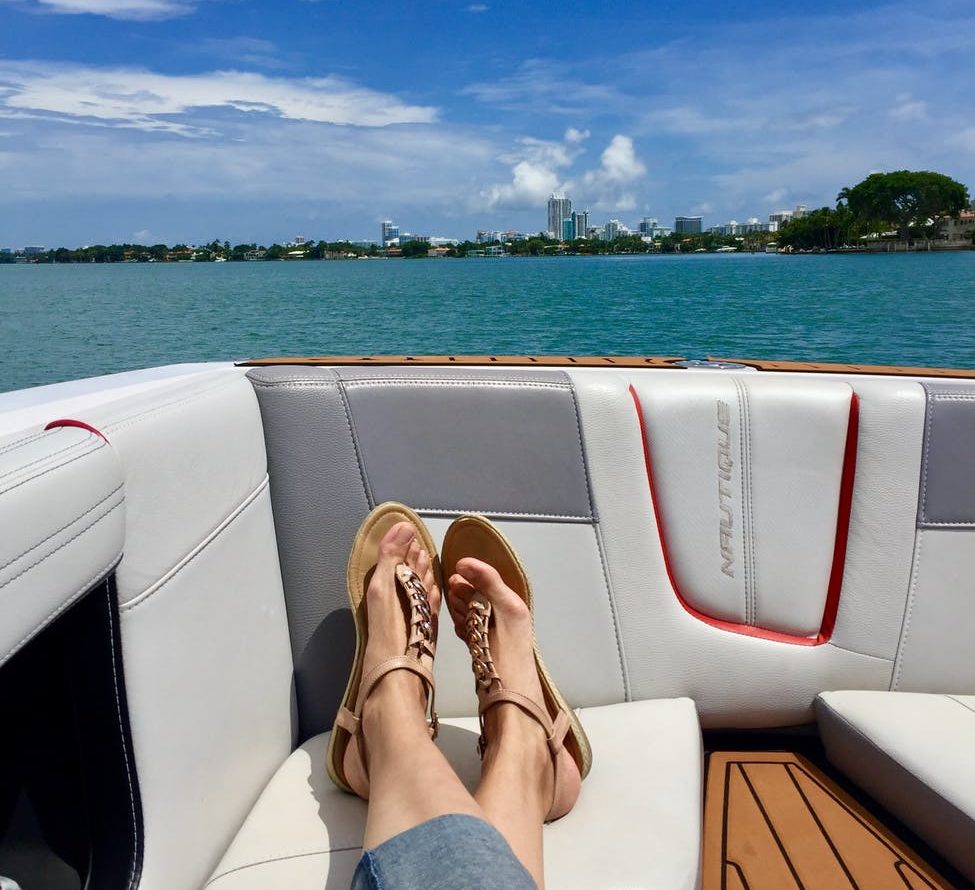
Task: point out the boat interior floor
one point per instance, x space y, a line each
779 816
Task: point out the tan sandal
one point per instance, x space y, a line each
346 756
478 537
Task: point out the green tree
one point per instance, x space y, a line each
823 229
414 249
903 199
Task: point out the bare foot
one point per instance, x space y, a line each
516 742
400 695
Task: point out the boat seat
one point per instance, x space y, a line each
913 752
643 797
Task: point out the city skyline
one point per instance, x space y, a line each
159 120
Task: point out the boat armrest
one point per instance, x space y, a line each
62 505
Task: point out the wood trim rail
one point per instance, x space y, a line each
606 361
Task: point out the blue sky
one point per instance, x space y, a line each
186 120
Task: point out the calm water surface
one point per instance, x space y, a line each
63 322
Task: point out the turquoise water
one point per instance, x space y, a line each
63 322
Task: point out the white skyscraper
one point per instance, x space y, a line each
559 209
390 232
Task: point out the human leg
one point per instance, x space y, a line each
518 786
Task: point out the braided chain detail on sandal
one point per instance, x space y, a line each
479 646
421 629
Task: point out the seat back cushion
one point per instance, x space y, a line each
446 442
204 633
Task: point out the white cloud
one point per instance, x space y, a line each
575 136
477 7
908 109
530 186
145 100
137 10
964 139
619 163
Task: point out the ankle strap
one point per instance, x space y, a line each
555 731
351 721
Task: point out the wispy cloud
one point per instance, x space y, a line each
477 7
134 10
145 100
547 87
245 51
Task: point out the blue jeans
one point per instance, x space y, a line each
447 853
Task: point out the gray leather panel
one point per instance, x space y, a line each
948 461
457 440
318 500
946 828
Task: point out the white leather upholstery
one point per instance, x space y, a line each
637 823
935 654
913 752
882 519
62 505
746 475
735 680
573 614
205 645
32 408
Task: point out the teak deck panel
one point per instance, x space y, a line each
605 361
773 821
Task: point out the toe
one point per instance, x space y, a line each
397 541
424 568
459 595
486 580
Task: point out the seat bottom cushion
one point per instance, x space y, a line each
912 752
637 823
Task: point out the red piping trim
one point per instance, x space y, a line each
839 548
80 424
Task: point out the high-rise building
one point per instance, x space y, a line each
559 208
647 225
568 228
580 223
611 231
390 232
687 225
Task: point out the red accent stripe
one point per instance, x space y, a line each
839 548
80 424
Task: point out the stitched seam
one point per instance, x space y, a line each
833 645
96 447
750 501
40 460
296 382
928 423
491 511
908 609
959 702
63 527
614 614
231 871
374 871
442 381
85 587
350 421
17 443
74 537
133 419
746 531
232 517
927 523
582 452
121 732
